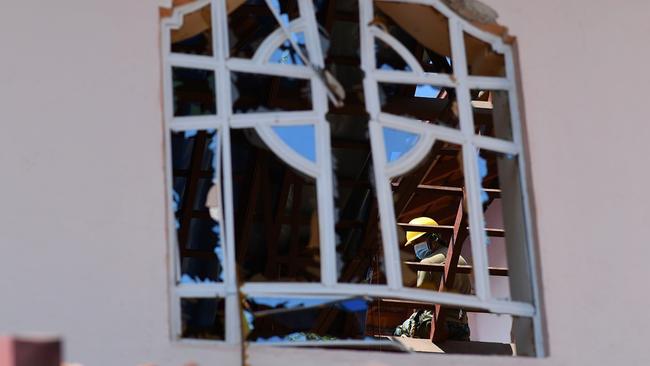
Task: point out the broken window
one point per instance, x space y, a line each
194 170
347 174
275 210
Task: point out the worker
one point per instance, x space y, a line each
430 249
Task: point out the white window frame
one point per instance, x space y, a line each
321 170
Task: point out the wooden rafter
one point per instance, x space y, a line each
249 212
274 235
294 243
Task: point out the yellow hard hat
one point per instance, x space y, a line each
412 236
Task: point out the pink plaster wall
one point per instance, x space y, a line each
81 163
7 356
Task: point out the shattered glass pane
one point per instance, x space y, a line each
359 248
203 318
194 92
276 216
198 234
280 320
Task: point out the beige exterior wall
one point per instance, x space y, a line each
82 225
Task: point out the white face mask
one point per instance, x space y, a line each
422 250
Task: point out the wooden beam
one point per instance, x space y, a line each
350 109
347 224
248 215
354 183
347 16
272 245
294 244
397 303
424 109
329 15
495 233
267 208
343 60
201 214
499 233
461 268
339 143
198 253
455 191
440 207
191 185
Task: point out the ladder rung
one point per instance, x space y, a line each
461 268
499 233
